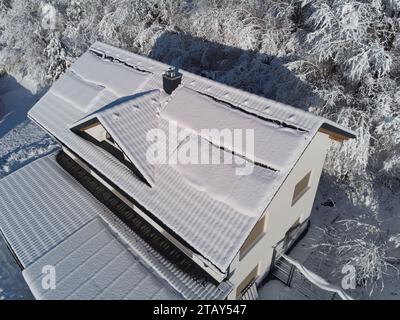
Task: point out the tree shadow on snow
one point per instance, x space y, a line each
15 101
258 73
21 141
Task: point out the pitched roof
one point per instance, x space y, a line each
212 209
94 264
127 121
33 203
49 218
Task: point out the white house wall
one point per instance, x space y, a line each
280 214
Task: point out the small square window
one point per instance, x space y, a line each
301 188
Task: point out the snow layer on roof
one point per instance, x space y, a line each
128 124
118 78
32 215
76 91
47 217
210 225
275 145
93 263
246 193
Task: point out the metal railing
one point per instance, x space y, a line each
294 275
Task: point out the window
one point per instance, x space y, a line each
301 188
245 283
253 237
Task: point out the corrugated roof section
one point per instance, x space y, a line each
48 218
33 203
93 263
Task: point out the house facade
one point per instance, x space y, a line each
199 230
286 217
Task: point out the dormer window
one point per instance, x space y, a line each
121 129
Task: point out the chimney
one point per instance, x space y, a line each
171 79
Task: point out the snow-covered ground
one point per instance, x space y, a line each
334 204
21 142
12 285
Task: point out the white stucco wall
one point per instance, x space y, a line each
281 215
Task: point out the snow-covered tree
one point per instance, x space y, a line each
351 34
22 39
5 5
56 62
362 246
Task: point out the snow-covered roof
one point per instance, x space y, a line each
49 218
128 124
94 264
208 206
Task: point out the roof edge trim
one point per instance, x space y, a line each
337 132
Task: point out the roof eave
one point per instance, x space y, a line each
337 132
